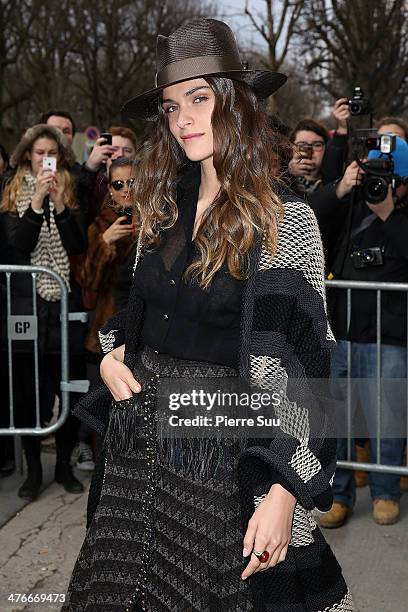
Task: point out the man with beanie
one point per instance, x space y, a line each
373 246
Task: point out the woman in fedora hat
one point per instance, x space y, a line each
227 294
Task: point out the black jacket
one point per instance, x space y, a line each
391 237
330 211
19 238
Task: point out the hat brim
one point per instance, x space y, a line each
146 105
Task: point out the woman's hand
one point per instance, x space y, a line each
270 529
116 376
42 187
117 231
57 191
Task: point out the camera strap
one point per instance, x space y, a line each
365 224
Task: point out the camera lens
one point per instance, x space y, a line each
367 256
355 107
375 189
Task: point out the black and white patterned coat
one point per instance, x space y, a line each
286 341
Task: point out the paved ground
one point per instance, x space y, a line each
40 543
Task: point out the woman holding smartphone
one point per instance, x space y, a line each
111 238
228 286
43 226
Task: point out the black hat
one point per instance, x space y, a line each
203 47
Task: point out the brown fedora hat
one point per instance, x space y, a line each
203 47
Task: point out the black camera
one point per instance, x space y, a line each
358 104
379 174
366 258
128 211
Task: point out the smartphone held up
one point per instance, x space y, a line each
107 138
49 163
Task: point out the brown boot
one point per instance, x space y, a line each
336 517
404 484
362 456
385 511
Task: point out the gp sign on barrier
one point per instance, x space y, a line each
22 327
25 327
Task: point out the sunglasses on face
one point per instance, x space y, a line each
119 184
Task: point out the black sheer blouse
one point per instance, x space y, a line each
181 319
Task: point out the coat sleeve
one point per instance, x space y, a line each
112 334
334 158
26 230
71 227
96 272
302 455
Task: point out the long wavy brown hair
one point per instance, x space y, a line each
246 159
21 162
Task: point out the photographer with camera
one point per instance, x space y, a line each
318 159
316 170
373 247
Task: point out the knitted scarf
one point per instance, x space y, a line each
306 186
49 251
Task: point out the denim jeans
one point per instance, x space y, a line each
393 394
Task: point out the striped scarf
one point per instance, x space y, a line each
49 251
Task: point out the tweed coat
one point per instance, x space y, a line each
285 340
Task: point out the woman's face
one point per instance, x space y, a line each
120 185
189 107
306 137
42 147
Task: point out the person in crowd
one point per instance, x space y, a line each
124 144
318 158
398 127
393 125
84 174
317 170
310 139
228 283
91 190
43 225
383 227
110 240
110 244
4 160
84 186
62 120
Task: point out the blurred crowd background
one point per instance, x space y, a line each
66 68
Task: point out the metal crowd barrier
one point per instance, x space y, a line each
25 327
349 286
